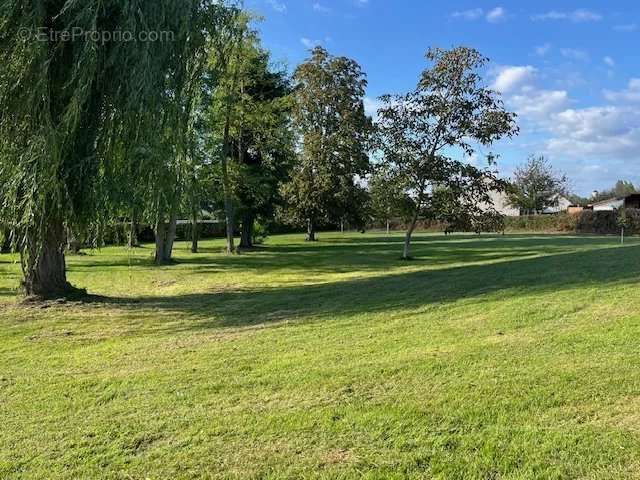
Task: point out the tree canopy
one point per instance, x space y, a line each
536 186
334 131
97 131
75 112
424 135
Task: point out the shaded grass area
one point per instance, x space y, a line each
487 357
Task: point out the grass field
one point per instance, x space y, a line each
492 357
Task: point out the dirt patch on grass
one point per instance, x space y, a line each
337 456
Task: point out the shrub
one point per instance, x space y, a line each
597 222
535 223
630 219
260 233
567 222
490 222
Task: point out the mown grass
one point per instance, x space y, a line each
485 357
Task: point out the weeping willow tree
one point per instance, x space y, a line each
85 88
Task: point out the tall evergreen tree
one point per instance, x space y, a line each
261 139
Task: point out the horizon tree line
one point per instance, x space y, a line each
93 134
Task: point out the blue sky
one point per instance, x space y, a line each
571 70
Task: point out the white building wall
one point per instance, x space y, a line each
609 206
501 204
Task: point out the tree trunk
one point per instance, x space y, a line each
165 236
226 186
171 237
161 235
228 208
311 231
406 255
73 243
246 236
341 226
388 227
133 233
43 265
194 231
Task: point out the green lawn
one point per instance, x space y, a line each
485 357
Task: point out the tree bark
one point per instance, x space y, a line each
43 264
165 236
194 231
133 233
311 231
388 227
161 235
246 236
406 255
74 245
226 186
171 237
228 208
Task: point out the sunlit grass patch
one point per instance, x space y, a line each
486 357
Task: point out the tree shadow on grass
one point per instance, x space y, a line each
9 292
341 255
414 290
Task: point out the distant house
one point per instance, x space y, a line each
610 204
501 205
500 202
560 204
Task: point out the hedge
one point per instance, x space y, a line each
587 221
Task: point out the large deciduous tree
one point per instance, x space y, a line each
71 108
334 130
449 113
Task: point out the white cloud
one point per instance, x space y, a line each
472 14
594 145
597 132
371 106
538 105
277 5
629 27
511 77
575 54
496 15
542 50
609 61
318 7
630 94
517 84
361 3
309 43
576 16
